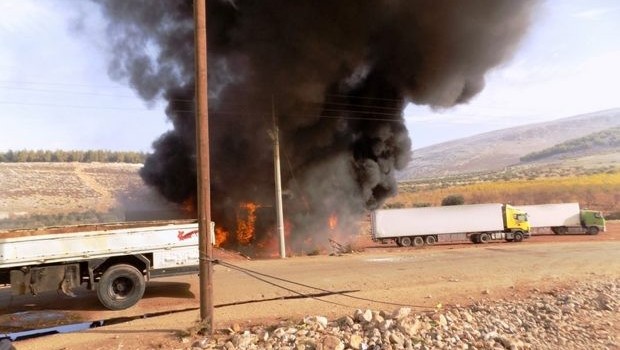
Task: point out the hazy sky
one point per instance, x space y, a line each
55 92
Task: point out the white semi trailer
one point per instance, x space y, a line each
115 260
564 218
479 223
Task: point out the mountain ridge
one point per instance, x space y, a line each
495 150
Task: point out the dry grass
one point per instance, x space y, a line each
599 191
69 193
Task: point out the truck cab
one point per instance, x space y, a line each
516 220
592 221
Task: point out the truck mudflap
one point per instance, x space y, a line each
32 280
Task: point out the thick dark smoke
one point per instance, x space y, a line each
336 74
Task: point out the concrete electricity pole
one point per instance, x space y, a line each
278 181
205 245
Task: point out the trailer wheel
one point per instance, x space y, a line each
517 236
418 241
474 238
484 238
430 240
593 230
560 230
120 287
405 241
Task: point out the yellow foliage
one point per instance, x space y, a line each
596 191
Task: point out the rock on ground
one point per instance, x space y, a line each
582 317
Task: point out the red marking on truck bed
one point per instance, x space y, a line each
186 235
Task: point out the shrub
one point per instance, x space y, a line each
421 205
453 199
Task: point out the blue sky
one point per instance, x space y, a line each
55 92
568 64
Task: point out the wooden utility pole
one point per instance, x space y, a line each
205 245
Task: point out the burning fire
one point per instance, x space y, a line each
221 236
246 227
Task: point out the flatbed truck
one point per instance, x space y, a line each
115 260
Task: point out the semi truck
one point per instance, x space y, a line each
479 223
563 218
113 260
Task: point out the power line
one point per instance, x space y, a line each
333 113
189 111
61 84
68 92
263 276
71 106
327 106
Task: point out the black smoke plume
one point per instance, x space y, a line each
336 74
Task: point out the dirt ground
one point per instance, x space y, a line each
379 277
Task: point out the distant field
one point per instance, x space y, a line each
47 194
67 193
592 188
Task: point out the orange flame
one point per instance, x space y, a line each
246 227
221 236
332 221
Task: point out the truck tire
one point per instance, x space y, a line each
560 230
120 287
397 241
430 240
484 238
593 230
418 241
517 236
475 239
405 241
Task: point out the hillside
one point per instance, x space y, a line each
606 141
43 194
499 149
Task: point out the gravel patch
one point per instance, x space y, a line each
582 317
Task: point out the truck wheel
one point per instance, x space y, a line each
120 287
430 240
484 238
397 241
405 241
474 239
593 230
418 241
560 230
517 236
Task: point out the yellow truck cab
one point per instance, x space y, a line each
516 221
